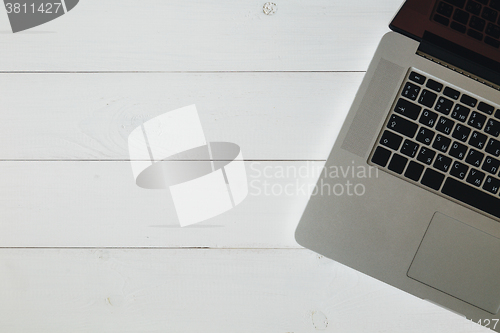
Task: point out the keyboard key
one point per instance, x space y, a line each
478 140
461 132
432 179
493 30
477 23
491 184
489 14
445 125
407 109
456 3
493 147
477 120
443 105
473 7
460 112
486 108
475 177
458 150
402 126
436 86
472 196
441 143
497 114
418 78
427 98
410 91
381 156
458 27
442 163
491 165
414 171
469 101
391 140
459 170
492 127
451 93
428 118
493 42
426 155
397 163
475 34
409 148
444 9
441 19
474 158
461 17
425 135
495 4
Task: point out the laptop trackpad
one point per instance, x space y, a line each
461 261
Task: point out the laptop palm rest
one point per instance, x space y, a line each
460 261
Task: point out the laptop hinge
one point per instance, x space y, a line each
460 59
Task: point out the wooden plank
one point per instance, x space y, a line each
159 35
272 116
77 203
149 291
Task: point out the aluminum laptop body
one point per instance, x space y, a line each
417 203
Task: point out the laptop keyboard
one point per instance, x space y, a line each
445 140
479 19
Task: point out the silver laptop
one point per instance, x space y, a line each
410 192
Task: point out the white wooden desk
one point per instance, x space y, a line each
83 249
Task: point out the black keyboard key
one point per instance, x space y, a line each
491 184
461 132
459 170
426 155
475 34
478 140
441 19
473 7
460 113
436 86
461 17
451 93
432 179
484 2
497 114
441 143
445 125
458 150
410 91
443 105
409 148
493 42
428 118
458 27
475 177
472 196
418 78
397 163
477 120
425 136
444 9
491 165
442 163
456 3
381 156
492 127
495 4
474 158
493 147
469 101
414 171
486 108
489 14
402 126
477 23
391 140
493 30
427 98
407 109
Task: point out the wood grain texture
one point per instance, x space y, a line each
126 35
150 291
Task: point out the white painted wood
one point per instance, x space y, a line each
167 35
150 291
76 203
272 116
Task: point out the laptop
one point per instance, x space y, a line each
416 203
